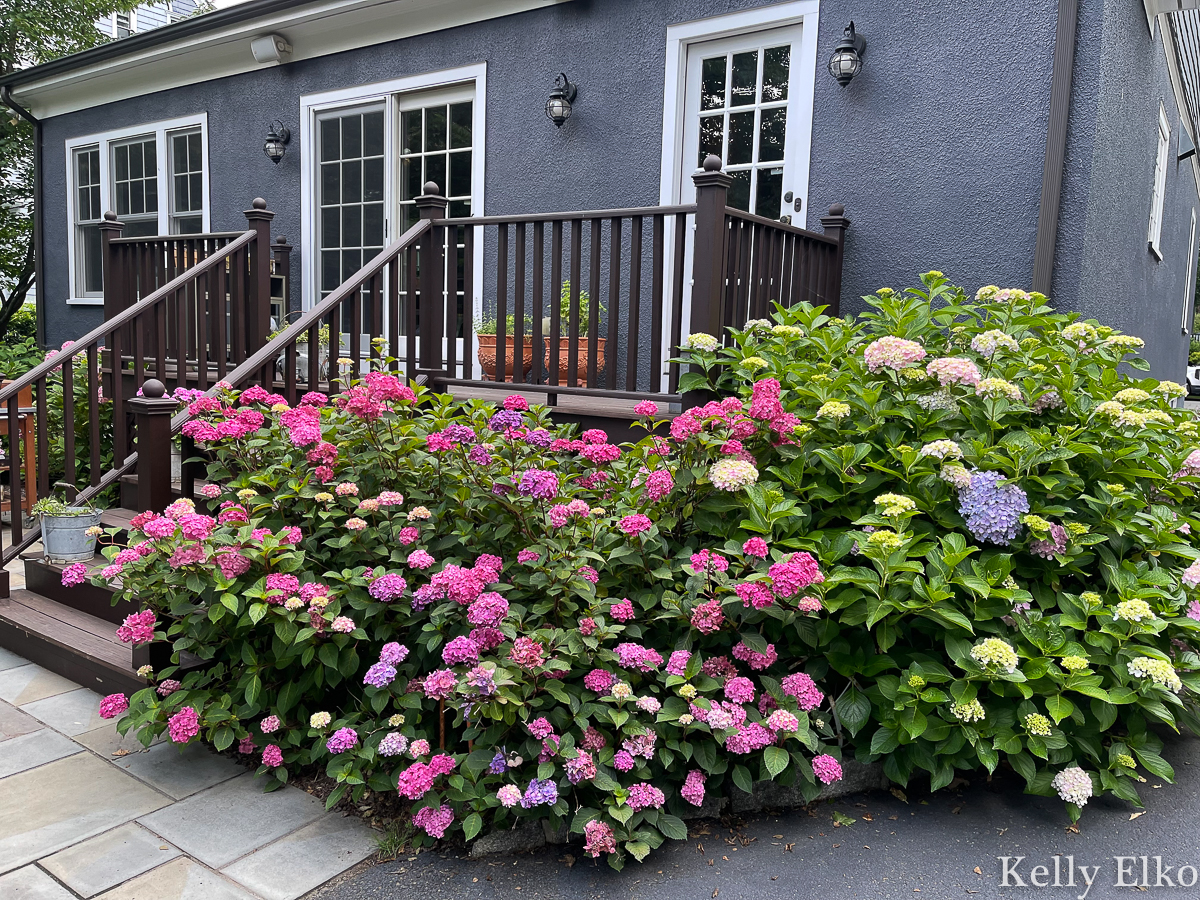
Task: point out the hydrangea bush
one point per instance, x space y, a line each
948 535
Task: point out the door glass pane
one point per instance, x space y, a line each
739 191
772 134
372 134
741 138
352 192
712 134
776 67
712 83
745 79
410 131
769 192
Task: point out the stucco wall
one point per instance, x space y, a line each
1105 267
935 149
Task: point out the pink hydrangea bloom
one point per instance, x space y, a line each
1193 610
805 691
527 653
893 352
808 604
540 728
269 725
756 660
794 574
168 686
246 745
678 662
342 625
635 656
184 725
489 608
954 370
434 820
644 795
113 705
272 756
755 546
415 781
749 738
528 556
138 628
635 524
782 720
342 740
623 761
598 838
388 587
755 593
826 768
588 574
622 611
599 680
460 650
420 559
646 408
739 690
407 536
693 788
509 795
1191 576
707 561
708 617
76 573
440 684
659 484
587 626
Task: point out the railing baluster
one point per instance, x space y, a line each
556 252
289 373
68 385
217 312
450 283
393 312
354 338
42 402
573 315
539 300
468 326
410 315
502 303
15 494
202 331
95 387
658 269
614 300
519 306
120 429
677 299
140 326
239 272
160 344
314 357
594 305
335 349
377 318
635 303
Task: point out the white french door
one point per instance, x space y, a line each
742 99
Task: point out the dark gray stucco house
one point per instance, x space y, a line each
1042 143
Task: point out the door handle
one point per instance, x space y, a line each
798 204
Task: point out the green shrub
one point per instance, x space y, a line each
862 549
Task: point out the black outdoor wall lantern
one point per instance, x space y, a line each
558 107
276 143
846 61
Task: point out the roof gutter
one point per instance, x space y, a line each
1056 145
148 39
38 241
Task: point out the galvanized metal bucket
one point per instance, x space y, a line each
65 538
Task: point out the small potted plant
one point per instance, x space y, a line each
564 340
485 331
65 537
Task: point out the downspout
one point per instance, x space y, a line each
1056 145
38 242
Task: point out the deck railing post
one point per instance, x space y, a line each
834 225
152 413
258 319
114 283
708 257
281 256
432 205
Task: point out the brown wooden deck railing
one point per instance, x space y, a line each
175 333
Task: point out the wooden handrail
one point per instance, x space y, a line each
124 317
156 238
780 226
629 213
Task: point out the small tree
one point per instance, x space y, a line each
33 32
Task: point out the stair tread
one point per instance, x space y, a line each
117 517
68 628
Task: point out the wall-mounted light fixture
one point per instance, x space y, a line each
846 61
271 48
558 107
276 143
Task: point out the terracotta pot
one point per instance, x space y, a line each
581 363
487 356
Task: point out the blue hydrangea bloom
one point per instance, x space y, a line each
993 511
540 792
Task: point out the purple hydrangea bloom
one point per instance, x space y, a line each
498 765
993 511
539 484
387 587
380 675
480 456
460 434
1056 544
505 419
393 654
540 792
539 437
342 740
481 680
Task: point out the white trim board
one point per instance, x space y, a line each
104 139
386 94
313 29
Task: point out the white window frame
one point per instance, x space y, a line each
799 132
105 140
1159 195
388 94
1189 283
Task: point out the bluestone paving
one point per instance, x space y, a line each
25 684
61 803
228 821
13 722
71 788
294 865
179 772
181 879
31 883
10 660
34 749
109 859
74 712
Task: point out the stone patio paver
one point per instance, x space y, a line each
109 859
232 819
34 749
71 713
45 809
25 684
294 865
88 813
14 723
180 773
31 883
182 879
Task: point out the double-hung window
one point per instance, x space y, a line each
154 177
1159 195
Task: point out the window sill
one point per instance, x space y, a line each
85 301
1154 251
